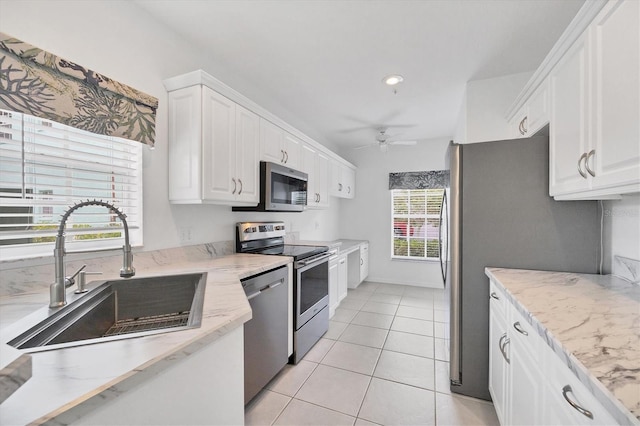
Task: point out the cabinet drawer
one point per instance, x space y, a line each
524 334
497 299
559 409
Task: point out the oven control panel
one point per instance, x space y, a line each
248 231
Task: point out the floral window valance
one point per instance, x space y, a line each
433 179
36 82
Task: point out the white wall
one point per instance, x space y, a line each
368 216
622 229
121 41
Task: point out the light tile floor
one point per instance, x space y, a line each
384 360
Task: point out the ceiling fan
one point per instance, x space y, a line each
384 141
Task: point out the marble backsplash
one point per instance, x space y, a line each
626 268
35 275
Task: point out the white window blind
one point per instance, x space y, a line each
46 167
415 223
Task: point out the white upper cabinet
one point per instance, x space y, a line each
218 148
279 146
293 151
343 181
271 142
247 155
595 124
217 138
569 114
316 165
615 41
213 149
588 91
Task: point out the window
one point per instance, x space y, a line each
415 224
46 167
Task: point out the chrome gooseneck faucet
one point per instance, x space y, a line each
57 289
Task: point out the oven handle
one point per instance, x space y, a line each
306 264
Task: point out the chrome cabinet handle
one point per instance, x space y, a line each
319 197
565 391
286 154
494 295
586 162
361 262
240 180
282 152
234 185
520 128
339 187
524 125
502 344
582 173
519 328
348 190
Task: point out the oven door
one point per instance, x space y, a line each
311 287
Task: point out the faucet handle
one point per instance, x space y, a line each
82 281
69 281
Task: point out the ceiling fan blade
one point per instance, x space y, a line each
402 142
365 146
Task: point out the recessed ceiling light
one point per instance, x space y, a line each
393 79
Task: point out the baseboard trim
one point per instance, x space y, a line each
411 283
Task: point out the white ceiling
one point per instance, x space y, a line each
323 60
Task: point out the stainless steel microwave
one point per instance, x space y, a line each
282 189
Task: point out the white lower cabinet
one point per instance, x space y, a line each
333 285
204 388
342 277
358 265
529 383
498 356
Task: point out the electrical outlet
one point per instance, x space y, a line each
185 233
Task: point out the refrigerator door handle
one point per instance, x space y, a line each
444 217
455 249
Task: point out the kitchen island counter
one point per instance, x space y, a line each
71 382
592 322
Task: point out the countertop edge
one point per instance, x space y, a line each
597 388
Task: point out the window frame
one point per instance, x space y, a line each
133 207
426 216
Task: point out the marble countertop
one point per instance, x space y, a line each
592 322
343 245
77 377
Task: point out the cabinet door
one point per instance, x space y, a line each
247 155
364 261
321 176
185 144
616 83
334 280
526 387
498 361
271 142
293 151
342 277
308 166
335 188
569 114
218 147
348 179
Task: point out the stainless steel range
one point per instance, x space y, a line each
310 279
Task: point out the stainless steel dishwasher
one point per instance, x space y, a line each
265 335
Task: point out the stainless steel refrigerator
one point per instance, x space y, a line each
500 214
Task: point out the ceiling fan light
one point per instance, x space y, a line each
393 79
